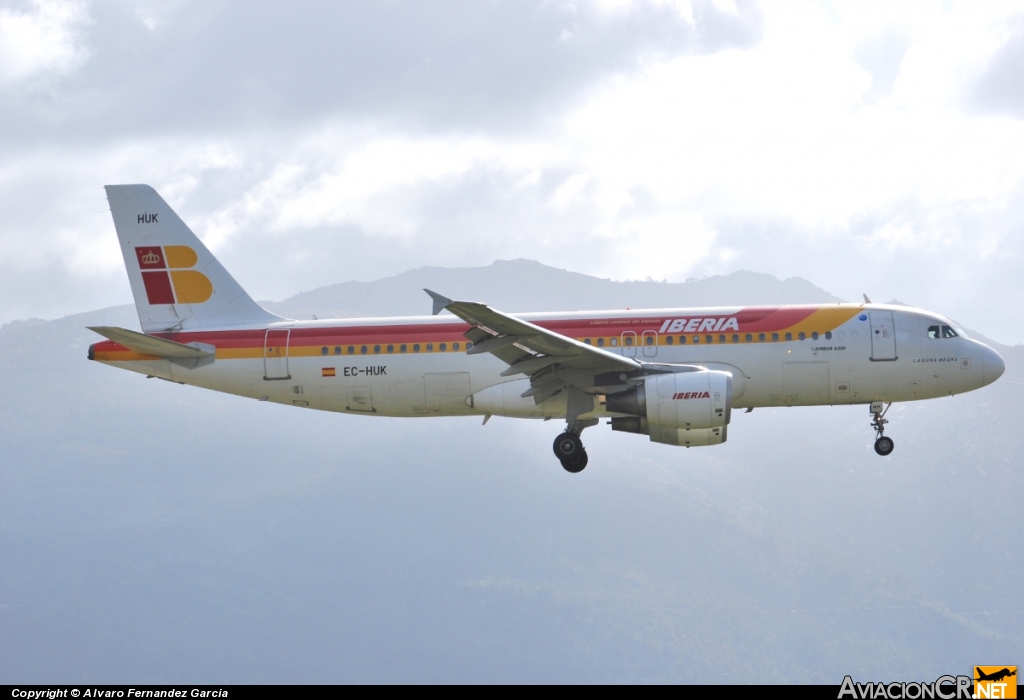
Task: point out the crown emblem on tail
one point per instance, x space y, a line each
150 258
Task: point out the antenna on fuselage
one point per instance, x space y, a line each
866 300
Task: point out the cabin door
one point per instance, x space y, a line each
883 336
275 354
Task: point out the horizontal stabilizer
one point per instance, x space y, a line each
151 345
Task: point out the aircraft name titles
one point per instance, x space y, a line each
691 395
700 325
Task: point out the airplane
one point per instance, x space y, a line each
995 676
673 375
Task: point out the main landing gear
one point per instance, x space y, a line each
883 445
568 446
570 452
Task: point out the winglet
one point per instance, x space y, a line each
440 302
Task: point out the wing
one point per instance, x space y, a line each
552 361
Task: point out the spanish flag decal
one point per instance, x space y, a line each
167 277
327 372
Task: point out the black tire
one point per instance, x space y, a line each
575 466
567 447
884 446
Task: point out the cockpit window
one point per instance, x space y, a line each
948 332
933 332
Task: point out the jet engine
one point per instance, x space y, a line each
683 408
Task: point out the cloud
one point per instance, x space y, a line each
193 67
999 88
46 38
881 55
622 139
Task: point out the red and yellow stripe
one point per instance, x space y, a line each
350 340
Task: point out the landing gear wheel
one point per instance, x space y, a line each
575 466
883 445
568 447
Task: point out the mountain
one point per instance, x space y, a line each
527 285
158 533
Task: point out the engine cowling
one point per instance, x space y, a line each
683 408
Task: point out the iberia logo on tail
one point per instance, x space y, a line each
167 277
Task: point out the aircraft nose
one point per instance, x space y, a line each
994 366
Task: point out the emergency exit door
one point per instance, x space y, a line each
275 354
883 336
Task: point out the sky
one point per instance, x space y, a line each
869 147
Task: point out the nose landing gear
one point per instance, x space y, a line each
883 445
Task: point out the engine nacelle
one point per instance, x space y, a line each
683 408
694 437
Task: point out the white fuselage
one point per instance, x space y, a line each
368 366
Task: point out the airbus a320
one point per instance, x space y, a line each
673 375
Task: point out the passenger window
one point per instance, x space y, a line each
629 340
444 347
455 346
696 339
391 348
814 335
337 349
649 340
828 335
669 340
600 342
587 341
749 338
709 338
760 337
775 337
376 349
363 349
403 348
430 347
721 339
323 350
682 340
802 336
789 336
735 338
933 332
614 341
416 347
351 349
948 332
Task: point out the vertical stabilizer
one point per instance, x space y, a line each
177 283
